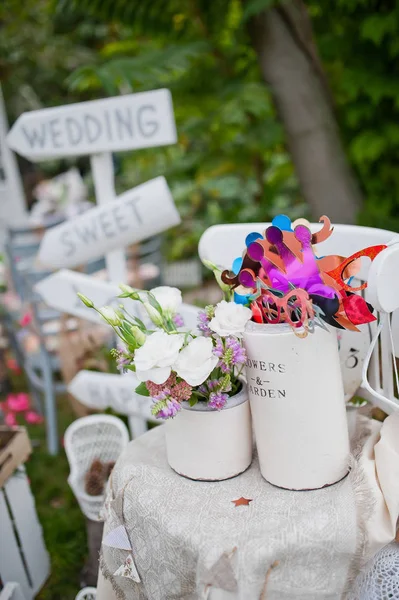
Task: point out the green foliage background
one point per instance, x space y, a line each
359 44
230 163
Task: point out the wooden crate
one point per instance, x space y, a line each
15 448
23 555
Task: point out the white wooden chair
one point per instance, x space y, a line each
100 437
221 244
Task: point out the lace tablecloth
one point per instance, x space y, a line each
188 540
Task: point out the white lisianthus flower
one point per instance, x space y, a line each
110 315
230 319
169 299
153 314
139 335
156 356
127 289
196 361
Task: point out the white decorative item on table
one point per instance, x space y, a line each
209 445
297 298
297 404
190 375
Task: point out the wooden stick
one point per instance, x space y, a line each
270 569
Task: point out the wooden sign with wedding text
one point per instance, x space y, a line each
113 124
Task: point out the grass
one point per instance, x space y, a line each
63 524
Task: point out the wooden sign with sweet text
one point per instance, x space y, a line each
133 216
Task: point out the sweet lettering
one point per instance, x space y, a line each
107 223
67 242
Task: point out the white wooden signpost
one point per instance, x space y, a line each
12 201
103 390
98 128
135 215
60 289
125 122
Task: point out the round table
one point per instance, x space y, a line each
167 537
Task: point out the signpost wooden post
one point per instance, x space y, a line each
98 128
12 201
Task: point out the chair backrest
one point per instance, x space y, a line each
221 244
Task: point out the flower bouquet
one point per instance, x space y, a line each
193 377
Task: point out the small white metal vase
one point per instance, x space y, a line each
210 445
297 403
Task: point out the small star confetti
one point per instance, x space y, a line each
242 501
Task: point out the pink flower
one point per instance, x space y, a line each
26 319
13 366
10 419
33 418
18 402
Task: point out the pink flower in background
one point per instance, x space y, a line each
33 418
26 319
18 402
13 366
10 419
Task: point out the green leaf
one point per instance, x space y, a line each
193 400
140 323
154 303
141 389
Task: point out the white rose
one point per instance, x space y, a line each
196 361
154 359
169 299
230 319
109 315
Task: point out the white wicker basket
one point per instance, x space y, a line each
100 437
87 593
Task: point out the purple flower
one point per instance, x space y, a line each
239 355
170 410
203 323
230 354
219 348
217 400
178 320
122 360
212 384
